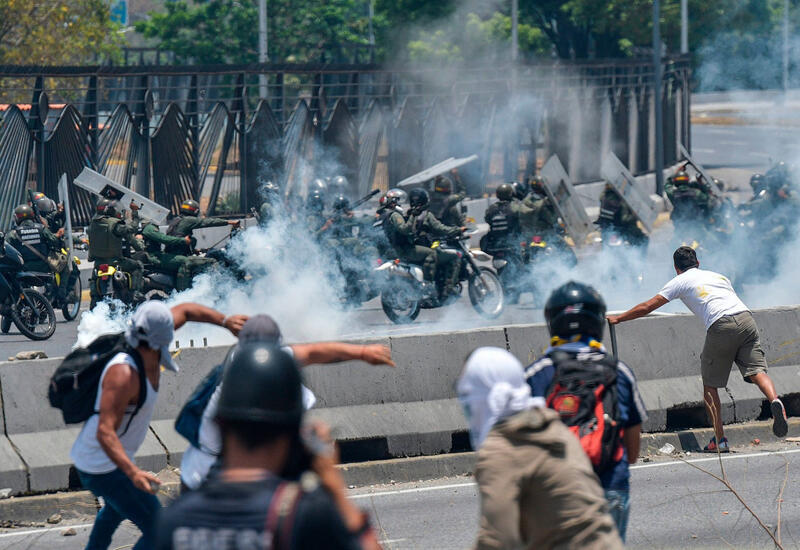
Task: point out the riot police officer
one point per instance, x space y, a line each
617 216
426 230
53 214
504 219
445 204
183 268
316 221
187 222
109 235
691 205
269 193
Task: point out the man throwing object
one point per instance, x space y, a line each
731 336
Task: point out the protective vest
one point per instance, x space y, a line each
103 243
396 239
684 201
182 226
610 206
503 222
30 233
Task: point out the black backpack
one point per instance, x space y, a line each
74 385
188 422
584 393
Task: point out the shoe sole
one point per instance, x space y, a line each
779 425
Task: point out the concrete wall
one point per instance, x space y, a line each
379 412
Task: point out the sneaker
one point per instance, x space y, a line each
712 446
779 424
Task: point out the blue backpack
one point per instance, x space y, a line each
188 422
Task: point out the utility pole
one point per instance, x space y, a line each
684 26
514 30
657 77
263 47
785 45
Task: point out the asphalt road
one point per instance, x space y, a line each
673 506
752 147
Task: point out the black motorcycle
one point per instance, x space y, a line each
108 282
406 291
29 310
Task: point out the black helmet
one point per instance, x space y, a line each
341 204
315 202
114 209
537 184
261 384
521 189
443 185
757 182
393 198
190 207
418 198
23 212
102 202
505 192
680 178
575 308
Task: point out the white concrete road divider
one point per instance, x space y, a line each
411 410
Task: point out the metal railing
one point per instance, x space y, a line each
214 132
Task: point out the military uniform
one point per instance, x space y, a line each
400 234
37 237
616 215
182 267
107 235
426 230
447 208
505 225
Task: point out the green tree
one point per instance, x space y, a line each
57 32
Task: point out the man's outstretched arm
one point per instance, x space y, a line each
639 310
323 353
184 313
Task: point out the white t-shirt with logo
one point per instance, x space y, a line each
707 294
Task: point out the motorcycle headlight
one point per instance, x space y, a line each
499 264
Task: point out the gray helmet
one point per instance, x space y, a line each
261 384
340 183
45 205
23 212
318 186
393 197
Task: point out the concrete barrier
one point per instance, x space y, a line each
379 412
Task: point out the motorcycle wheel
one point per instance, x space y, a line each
401 306
70 310
37 322
5 324
486 293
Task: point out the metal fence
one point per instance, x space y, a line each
214 132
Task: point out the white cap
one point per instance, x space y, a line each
152 322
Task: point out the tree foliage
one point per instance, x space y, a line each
56 32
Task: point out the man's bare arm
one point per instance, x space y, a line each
183 313
120 388
323 353
639 310
632 441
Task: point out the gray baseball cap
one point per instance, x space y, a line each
153 322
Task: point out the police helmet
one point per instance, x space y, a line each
392 198
318 186
261 384
38 195
100 207
505 192
575 308
681 178
418 198
757 182
269 187
341 204
190 207
23 212
315 202
719 183
115 210
340 183
45 205
521 189
442 185
537 184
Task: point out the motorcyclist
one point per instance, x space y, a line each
691 204
35 242
53 214
505 221
108 236
426 230
617 216
316 221
445 204
759 185
185 224
339 186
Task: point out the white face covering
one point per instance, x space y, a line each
492 387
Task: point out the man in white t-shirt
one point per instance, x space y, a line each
197 462
104 450
731 336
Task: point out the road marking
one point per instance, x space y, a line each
416 490
45 530
715 458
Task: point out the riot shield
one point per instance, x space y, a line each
63 198
100 185
713 189
618 176
562 194
436 170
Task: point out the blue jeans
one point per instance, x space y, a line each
122 501
619 503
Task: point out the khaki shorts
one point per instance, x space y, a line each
732 338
